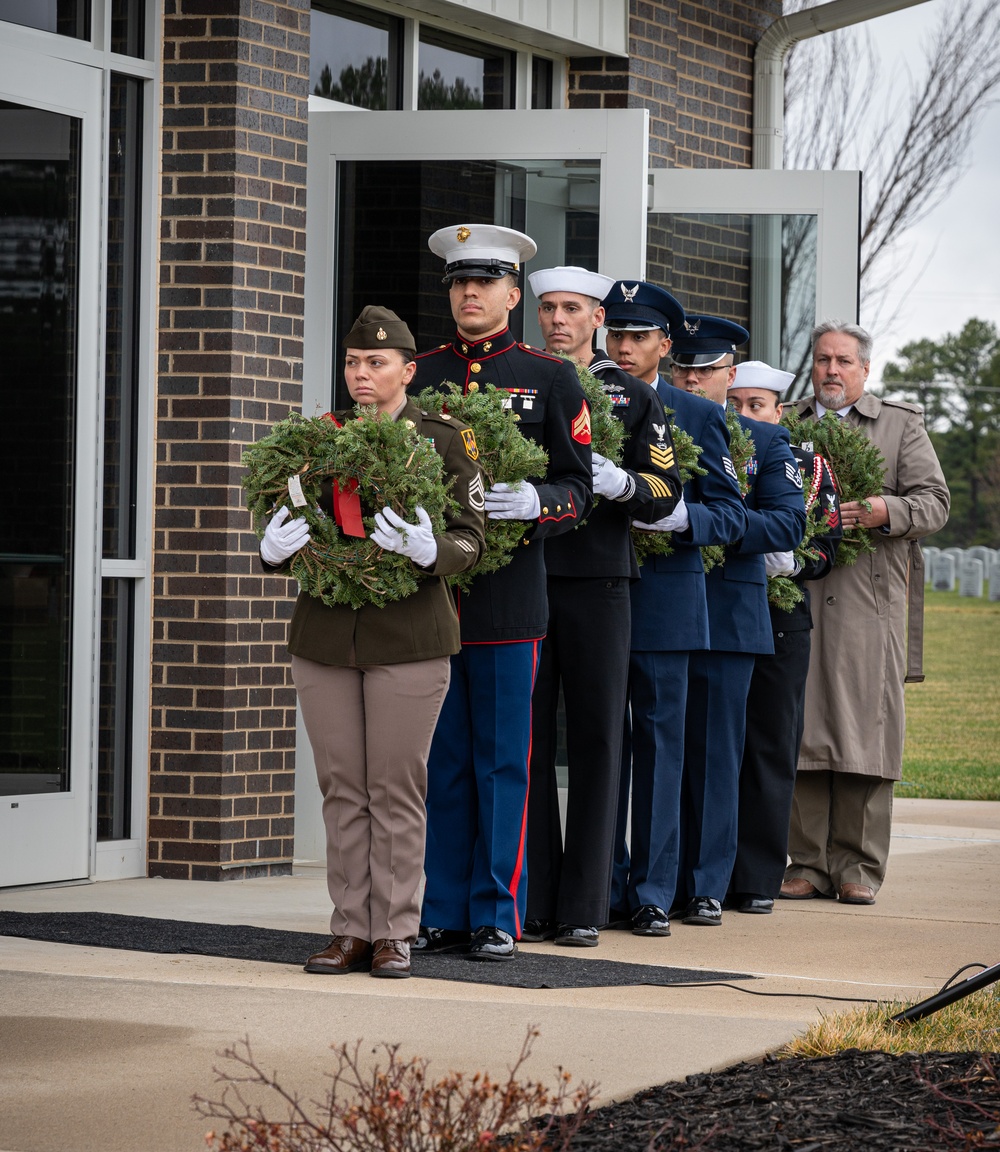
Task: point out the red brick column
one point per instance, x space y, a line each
232 256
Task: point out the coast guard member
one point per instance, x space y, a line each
777 697
669 613
739 627
477 794
587 643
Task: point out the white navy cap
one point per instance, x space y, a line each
481 250
570 278
757 374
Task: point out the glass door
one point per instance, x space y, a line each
50 156
381 182
774 251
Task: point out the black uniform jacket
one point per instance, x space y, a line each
545 394
817 480
603 546
421 626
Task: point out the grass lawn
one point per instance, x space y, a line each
953 718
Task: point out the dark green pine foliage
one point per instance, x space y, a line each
505 456
857 465
393 467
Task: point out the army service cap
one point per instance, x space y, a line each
638 306
703 340
757 374
481 250
570 278
379 327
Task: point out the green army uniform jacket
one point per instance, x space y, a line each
424 625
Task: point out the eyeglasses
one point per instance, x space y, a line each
702 372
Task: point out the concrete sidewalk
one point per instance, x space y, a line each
102 1050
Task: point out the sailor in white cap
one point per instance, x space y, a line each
587 643
477 792
776 700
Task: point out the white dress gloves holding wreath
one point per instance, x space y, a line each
282 540
609 480
414 540
506 502
780 564
677 521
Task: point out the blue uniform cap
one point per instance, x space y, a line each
641 306
703 340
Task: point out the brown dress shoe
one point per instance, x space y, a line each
798 889
391 958
856 894
342 954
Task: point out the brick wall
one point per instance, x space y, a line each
235 87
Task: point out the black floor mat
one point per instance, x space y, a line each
244 942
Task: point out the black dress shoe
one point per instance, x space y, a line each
577 935
489 943
535 931
343 954
703 910
755 905
439 940
650 920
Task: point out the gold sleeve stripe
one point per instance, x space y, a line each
656 485
662 457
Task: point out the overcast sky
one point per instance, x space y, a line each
958 245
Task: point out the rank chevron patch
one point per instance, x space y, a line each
580 428
656 484
662 457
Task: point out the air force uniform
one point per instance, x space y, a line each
669 622
739 628
478 766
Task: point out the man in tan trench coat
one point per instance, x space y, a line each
852 747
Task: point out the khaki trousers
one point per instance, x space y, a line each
370 729
840 829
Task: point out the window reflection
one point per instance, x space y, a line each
354 56
64 17
456 73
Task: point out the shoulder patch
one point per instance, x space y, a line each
580 428
469 440
905 404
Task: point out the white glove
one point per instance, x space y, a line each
677 521
780 563
506 503
609 480
282 540
414 540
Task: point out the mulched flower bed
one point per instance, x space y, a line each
853 1102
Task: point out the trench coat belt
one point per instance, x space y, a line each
915 616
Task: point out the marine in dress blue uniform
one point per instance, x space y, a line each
669 617
776 700
586 647
739 629
477 795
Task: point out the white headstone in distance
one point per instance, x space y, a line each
995 580
971 581
929 551
944 573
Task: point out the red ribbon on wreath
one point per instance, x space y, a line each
346 501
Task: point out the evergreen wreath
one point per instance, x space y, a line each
607 432
390 464
782 591
686 453
505 456
857 465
